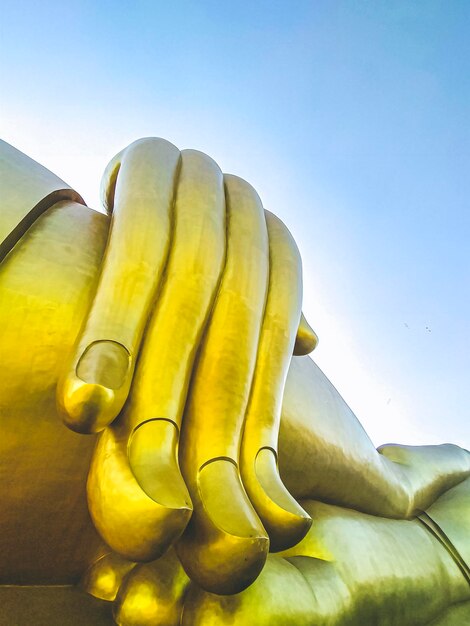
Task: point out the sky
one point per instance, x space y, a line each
350 118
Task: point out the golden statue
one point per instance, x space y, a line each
169 325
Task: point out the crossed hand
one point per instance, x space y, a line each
182 361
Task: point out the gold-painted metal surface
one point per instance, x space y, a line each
448 519
27 189
203 290
284 519
319 431
153 594
225 545
46 284
95 384
351 569
306 340
104 578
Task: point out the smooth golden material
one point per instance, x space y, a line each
352 568
104 577
225 546
64 605
195 265
46 284
131 522
319 430
27 191
448 519
153 595
283 518
390 539
142 446
306 340
97 380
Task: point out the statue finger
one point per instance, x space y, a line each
131 522
147 432
225 545
153 594
282 516
140 188
306 340
154 411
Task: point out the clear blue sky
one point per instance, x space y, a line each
351 120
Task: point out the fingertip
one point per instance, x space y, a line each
306 340
86 408
284 519
152 453
92 395
104 577
239 189
132 523
225 547
108 182
153 594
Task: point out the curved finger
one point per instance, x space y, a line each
27 190
225 546
104 577
282 516
306 340
131 522
96 382
154 411
153 594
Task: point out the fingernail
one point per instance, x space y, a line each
153 459
285 520
104 363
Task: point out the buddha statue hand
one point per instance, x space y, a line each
182 361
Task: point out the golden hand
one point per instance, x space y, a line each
192 250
